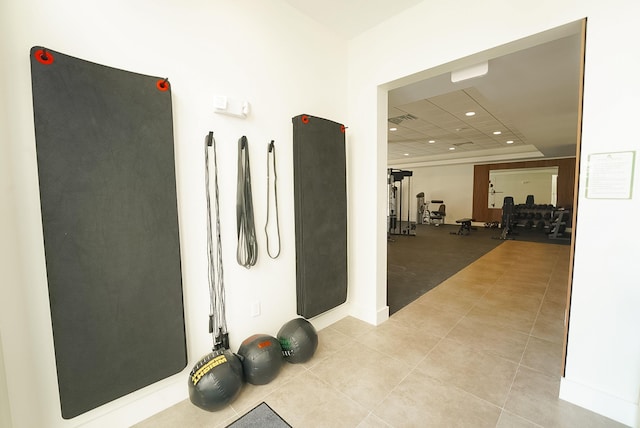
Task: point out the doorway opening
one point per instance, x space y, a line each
433 129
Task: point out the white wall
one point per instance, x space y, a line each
604 348
262 51
451 183
8 257
5 409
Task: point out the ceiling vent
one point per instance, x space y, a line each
463 144
399 119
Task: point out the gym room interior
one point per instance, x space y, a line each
341 62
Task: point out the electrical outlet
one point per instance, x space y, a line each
255 308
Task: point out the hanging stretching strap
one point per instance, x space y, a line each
271 154
217 318
247 253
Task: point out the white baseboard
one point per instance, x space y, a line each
372 317
137 406
599 402
382 315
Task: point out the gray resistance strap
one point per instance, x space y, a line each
271 153
217 318
247 253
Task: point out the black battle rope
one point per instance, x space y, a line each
247 253
271 153
217 319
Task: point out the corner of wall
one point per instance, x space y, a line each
597 401
5 408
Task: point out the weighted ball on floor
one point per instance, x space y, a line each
299 340
261 357
215 381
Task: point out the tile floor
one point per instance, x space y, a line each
483 349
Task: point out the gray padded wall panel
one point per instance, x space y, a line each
320 213
104 143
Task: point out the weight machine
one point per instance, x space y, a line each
561 219
422 213
507 219
396 226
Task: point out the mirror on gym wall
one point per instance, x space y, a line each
521 182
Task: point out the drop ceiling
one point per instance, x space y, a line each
530 96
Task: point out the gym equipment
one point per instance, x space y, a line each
561 219
422 209
217 315
217 378
299 340
396 197
530 215
507 213
392 207
261 357
465 226
436 217
215 381
320 201
271 153
247 251
530 201
106 167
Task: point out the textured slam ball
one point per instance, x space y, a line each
215 381
299 340
261 357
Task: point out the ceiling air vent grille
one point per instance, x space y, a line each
463 144
399 119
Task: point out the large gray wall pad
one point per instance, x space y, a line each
104 143
320 214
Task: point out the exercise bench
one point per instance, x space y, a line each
465 226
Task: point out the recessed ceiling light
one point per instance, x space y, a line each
497 132
432 141
470 113
452 148
406 154
510 142
393 129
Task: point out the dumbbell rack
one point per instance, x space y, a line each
530 216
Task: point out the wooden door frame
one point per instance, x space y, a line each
567 312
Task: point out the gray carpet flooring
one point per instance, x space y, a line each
416 264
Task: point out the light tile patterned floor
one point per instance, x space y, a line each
483 349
